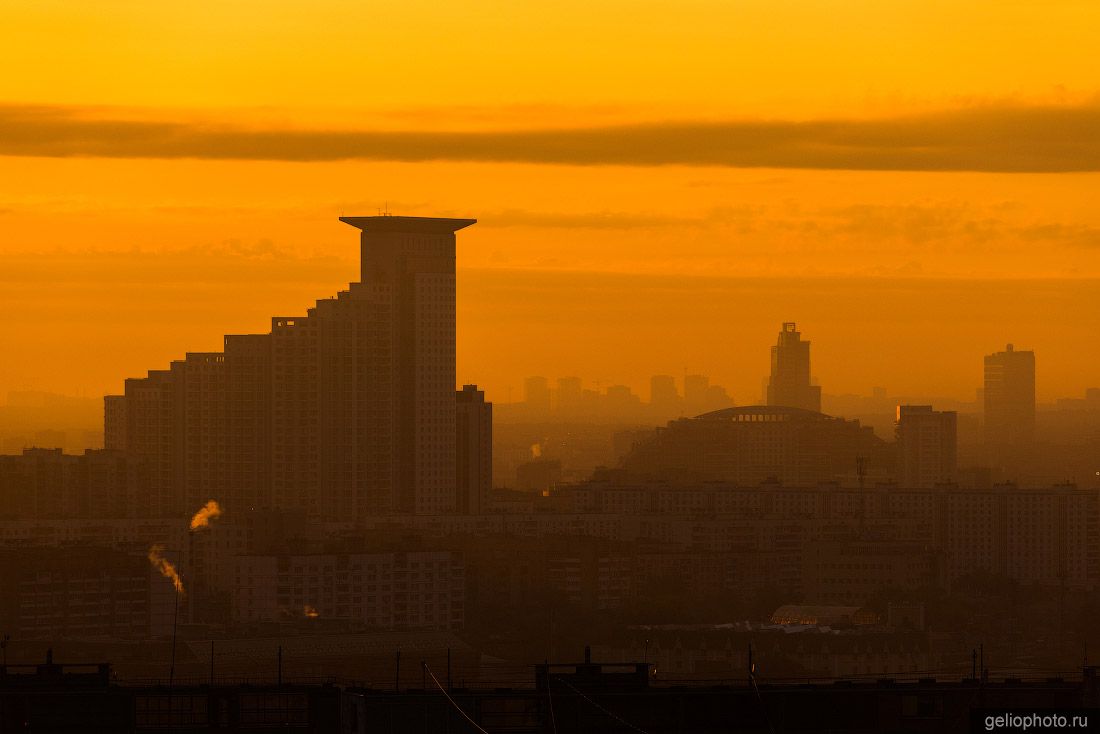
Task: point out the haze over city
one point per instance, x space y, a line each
530 367
927 206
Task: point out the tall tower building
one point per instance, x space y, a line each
664 400
1009 401
927 444
570 396
789 385
474 450
695 393
410 262
345 411
536 394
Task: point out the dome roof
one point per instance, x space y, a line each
763 413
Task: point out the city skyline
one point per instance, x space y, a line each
574 366
743 374
680 201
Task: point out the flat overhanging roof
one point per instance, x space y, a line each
386 223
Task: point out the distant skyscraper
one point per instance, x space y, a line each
570 396
475 450
927 442
789 385
695 394
663 398
345 411
620 401
1009 401
536 393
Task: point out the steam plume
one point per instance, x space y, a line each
206 513
536 451
162 564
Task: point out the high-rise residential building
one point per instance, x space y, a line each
412 260
345 411
927 443
789 385
420 590
114 412
1009 396
474 458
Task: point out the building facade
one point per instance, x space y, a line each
789 385
474 451
1009 397
927 443
385 591
346 410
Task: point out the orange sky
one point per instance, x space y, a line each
658 185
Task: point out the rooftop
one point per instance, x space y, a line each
388 223
752 413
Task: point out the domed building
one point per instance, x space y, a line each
753 444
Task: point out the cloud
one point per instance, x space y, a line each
222 264
990 138
585 220
1078 235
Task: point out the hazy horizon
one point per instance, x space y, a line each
866 332
870 159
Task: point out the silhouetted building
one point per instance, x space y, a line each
695 394
41 483
536 393
862 571
664 400
390 591
74 593
789 385
752 444
538 475
1009 400
578 697
570 396
114 418
474 459
825 615
927 443
347 410
842 643
620 400
1046 536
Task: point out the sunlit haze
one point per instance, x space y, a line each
911 182
524 366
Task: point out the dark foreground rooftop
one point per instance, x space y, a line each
578 697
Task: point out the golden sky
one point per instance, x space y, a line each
658 185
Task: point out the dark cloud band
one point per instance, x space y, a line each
995 139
